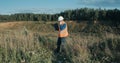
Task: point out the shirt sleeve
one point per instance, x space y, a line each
62 27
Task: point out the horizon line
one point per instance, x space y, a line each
48 10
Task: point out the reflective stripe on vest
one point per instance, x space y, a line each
63 33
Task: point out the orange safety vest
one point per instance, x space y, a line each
63 33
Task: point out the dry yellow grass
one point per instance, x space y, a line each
20 43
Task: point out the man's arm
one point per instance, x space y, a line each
62 27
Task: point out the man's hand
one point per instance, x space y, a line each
56 26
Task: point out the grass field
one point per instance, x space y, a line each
34 42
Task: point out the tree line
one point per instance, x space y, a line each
75 15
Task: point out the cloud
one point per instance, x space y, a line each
100 3
38 10
97 1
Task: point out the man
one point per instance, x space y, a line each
62 34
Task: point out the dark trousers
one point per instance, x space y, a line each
61 44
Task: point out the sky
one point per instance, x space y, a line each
53 6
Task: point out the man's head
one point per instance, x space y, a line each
60 18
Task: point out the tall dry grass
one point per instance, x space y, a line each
26 45
22 47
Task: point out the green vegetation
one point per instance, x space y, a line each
35 42
110 15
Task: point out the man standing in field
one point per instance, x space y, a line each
62 34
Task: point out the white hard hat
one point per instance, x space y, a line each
60 18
